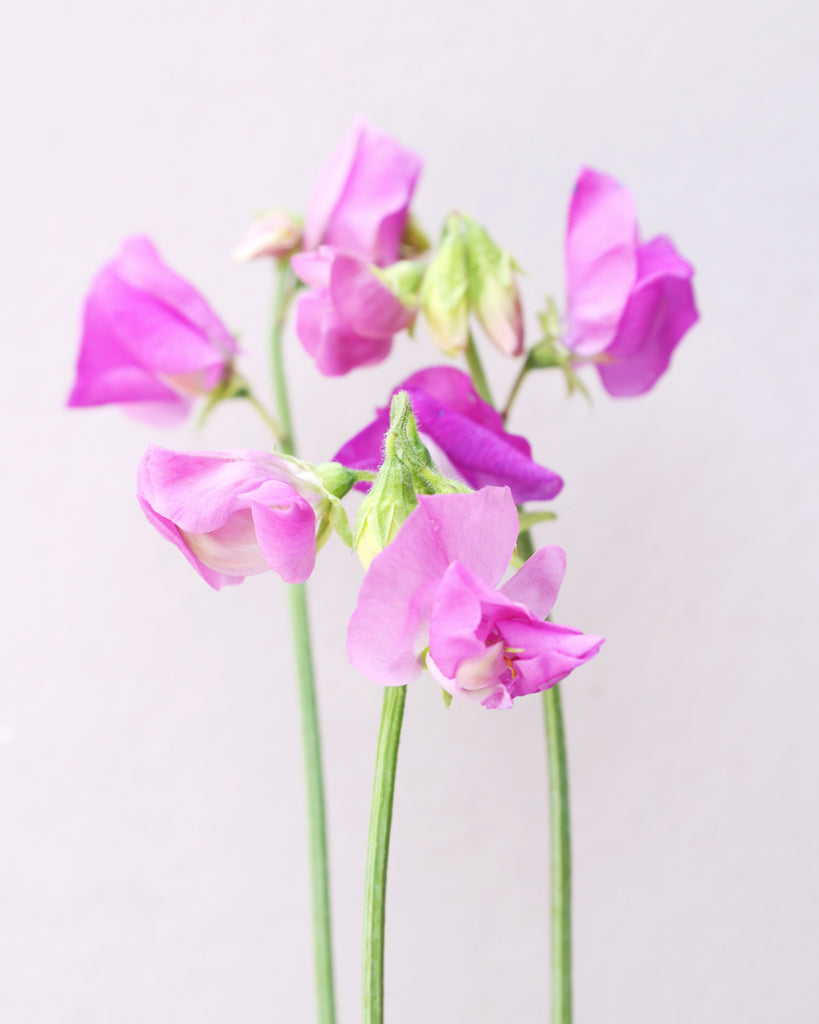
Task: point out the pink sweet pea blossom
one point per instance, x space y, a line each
629 302
150 343
360 200
348 317
431 598
234 513
467 430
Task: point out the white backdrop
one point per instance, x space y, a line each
152 857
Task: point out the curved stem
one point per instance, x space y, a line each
311 740
267 416
378 844
476 370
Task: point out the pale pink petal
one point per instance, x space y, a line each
537 583
366 306
285 529
601 260
335 349
328 188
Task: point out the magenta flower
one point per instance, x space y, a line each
467 430
150 343
360 200
431 598
348 317
234 513
629 302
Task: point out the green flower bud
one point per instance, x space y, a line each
445 291
493 290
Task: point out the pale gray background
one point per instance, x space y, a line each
152 858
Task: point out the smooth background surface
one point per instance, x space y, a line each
152 857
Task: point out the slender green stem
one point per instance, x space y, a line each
285 287
476 370
378 845
524 369
267 416
311 741
319 875
560 840
561 858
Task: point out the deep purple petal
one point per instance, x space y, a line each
467 430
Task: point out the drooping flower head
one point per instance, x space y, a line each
431 599
467 430
360 200
150 342
629 302
236 513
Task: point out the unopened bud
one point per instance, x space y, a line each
494 295
276 233
445 292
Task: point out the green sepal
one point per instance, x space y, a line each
447 698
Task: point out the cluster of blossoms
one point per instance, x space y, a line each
436 547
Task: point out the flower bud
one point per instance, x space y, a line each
445 291
493 290
276 233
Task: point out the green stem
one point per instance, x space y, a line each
476 370
267 416
524 369
378 844
311 740
561 858
285 287
560 840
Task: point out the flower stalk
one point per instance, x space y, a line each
378 844
311 739
561 849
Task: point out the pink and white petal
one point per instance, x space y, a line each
659 313
199 491
232 549
285 529
365 305
601 260
170 532
537 583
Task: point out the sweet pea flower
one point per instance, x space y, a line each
150 343
629 302
431 599
274 234
467 430
235 513
360 200
349 316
